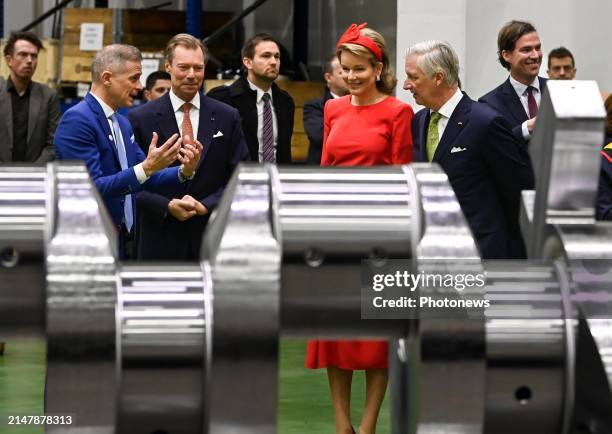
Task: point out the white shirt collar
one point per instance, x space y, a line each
259 91
108 111
521 88
177 103
449 106
334 96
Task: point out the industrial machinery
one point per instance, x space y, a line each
193 348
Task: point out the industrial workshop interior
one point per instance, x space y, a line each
305 217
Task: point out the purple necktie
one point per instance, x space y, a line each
267 134
531 102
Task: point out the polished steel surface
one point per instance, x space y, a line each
586 252
564 150
161 309
23 213
444 355
526 348
244 255
344 210
81 265
330 219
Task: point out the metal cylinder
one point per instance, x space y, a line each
23 198
527 349
329 219
345 211
164 333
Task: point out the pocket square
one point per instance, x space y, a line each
457 149
218 134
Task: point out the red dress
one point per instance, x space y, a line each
372 135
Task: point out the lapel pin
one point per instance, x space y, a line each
460 123
110 137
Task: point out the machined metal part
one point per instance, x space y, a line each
81 262
442 355
529 336
164 332
565 154
243 249
23 215
330 220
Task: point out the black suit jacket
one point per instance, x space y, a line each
160 235
240 96
313 124
487 169
507 103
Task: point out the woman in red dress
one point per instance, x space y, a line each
368 127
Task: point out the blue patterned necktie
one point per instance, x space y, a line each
267 134
128 213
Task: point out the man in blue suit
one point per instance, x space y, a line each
94 132
517 99
172 228
473 144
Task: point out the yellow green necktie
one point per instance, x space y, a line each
432 135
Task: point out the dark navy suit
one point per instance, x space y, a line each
161 236
84 134
487 169
313 125
507 103
604 192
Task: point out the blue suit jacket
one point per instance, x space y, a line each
84 134
161 235
487 169
507 103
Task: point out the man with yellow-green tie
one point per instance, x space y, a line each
473 144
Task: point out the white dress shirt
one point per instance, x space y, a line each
108 112
446 111
521 91
260 108
194 112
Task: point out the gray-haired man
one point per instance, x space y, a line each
485 164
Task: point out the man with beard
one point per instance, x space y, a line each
29 111
518 98
266 110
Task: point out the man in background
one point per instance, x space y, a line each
518 98
313 109
266 110
29 111
561 65
157 85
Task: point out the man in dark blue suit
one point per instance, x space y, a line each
94 132
473 144
517 99
172 228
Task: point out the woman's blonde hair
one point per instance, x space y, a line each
387 75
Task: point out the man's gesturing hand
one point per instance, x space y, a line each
189 156
162 157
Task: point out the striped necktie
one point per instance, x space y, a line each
267 134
